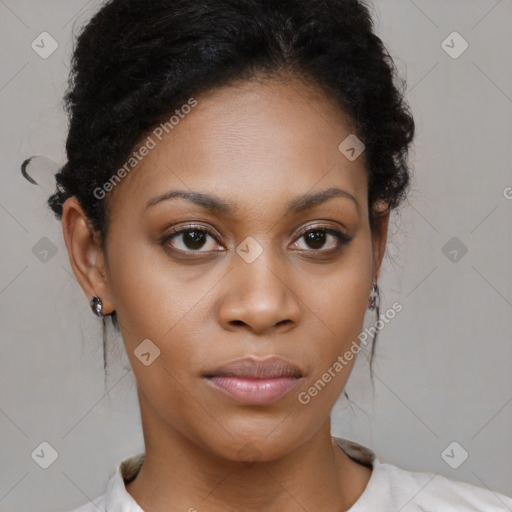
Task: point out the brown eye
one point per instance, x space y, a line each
191 239
320 239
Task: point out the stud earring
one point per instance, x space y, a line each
374 301
96 305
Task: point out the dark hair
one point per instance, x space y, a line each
137 61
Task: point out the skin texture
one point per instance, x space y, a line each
256 145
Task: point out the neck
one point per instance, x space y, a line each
179 474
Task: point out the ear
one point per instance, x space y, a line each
379 237
85 254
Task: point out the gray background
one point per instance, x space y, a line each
442 367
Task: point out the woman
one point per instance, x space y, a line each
232 165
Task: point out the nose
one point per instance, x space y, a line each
258 297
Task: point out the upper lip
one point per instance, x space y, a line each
257 368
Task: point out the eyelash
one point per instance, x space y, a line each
341 237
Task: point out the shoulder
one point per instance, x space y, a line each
424 491
116 496
391 488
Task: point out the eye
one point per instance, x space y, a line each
199 239
322 237
191 239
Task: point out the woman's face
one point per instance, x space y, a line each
253 276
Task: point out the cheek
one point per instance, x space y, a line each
338 304
169 304
339 297
153 295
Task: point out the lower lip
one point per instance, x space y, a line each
254 391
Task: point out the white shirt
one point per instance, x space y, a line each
390 489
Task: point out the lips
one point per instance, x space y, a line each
254 368
254 381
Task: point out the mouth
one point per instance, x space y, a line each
253 381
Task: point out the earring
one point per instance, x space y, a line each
96 305
374 297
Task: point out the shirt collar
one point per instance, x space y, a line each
117 498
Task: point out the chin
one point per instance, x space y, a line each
255 445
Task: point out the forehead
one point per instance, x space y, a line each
251 143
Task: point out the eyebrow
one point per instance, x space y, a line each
217 205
